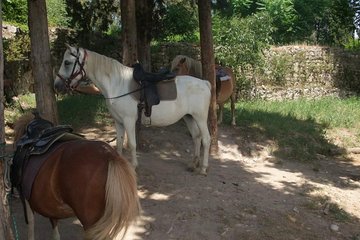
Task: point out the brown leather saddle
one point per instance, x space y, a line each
155 87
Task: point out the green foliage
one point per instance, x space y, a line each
245 7
91 16
18 48
352 44
327 22
179 23
242 41
337 25
15 11
24 103
56 12
283 17
240 44
279 67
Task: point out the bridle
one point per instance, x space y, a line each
74 74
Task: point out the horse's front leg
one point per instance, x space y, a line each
195 134
31 221
129 125
55 228
120 132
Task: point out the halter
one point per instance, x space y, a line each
74 74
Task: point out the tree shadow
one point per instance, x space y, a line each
246 195
286 138
346 72
249 193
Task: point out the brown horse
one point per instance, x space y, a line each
184 65
82 178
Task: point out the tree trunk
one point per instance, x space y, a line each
5 223
41 60
144 25
129 39
208 65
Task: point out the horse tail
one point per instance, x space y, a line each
122 202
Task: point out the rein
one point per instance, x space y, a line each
125 94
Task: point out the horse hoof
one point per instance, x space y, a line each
203 171
191 167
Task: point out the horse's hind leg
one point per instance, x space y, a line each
55 233
196 136
205 139
232 106
129 125
220 114
31 221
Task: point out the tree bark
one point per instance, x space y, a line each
129 39
144 11
5 223
41 60
208 65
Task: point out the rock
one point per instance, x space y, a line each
334 227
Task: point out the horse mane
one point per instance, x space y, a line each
108 65
20 125
194 66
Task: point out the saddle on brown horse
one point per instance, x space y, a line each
40 137
149 83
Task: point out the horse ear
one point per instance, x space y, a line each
67 46
182 60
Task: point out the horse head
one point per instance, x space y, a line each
180 65
71 71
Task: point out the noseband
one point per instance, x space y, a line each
74 74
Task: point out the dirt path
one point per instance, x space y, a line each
248 194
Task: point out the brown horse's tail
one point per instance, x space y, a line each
122 202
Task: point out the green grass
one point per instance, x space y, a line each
83 110
301 129
76 110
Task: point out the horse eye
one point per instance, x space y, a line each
67 63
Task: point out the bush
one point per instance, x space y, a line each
352 44
241 44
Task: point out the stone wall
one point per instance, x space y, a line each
291 72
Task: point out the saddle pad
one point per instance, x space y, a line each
36 161
167 90
32 168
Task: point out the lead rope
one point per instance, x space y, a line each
7 158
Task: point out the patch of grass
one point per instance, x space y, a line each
17 107
75 110
300 127
83 110
323 205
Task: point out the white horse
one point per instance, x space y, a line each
115 82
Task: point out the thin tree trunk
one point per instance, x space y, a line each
129 39
41 60
5 223
208 65
143 25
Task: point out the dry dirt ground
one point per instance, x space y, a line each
248 193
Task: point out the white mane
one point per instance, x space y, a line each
108 71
